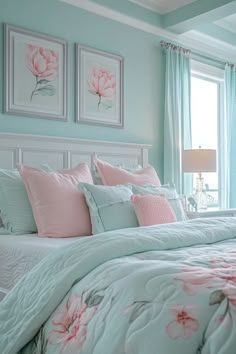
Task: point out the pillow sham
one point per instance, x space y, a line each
110 207
153 209
169 192
59 208
15 209
112 176
98 180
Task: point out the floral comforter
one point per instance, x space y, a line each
151 290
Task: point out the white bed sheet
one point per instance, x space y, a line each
19 254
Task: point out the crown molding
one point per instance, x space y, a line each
193 39
148 4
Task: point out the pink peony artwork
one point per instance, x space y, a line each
184 324
43 65
70 325
102 83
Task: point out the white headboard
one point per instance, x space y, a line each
61 153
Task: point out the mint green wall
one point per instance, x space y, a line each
143 78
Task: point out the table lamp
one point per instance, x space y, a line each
199 161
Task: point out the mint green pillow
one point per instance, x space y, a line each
169 192
15 209
110 207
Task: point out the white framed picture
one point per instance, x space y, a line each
35 74
99 83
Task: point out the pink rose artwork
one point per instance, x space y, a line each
102 83
184 324
43 64
70 325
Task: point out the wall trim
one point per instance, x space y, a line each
207 71
192 39
65 140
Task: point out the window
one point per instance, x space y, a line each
206 98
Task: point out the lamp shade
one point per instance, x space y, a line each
199 160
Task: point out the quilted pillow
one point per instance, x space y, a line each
169 192
153 209
59 208
110 207
112 176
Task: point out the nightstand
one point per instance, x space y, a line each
211 213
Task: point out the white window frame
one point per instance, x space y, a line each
213 74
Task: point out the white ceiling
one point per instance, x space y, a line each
162 6
228 23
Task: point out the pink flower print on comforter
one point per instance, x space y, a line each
221 277
70 325
184 323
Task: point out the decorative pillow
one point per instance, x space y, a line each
15 209
169 192
110 207
59 208
98 180
152 209
112 176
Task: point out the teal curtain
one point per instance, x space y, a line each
227 149
177 121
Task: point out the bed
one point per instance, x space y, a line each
19 254
160 289
138 290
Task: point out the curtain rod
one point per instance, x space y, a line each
166 45
221 62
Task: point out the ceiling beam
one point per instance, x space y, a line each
132 9
197 13
218 32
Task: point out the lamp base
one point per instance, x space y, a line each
201 197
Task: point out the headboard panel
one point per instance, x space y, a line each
61 153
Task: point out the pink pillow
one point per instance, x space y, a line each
58 206
111 175
152 209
